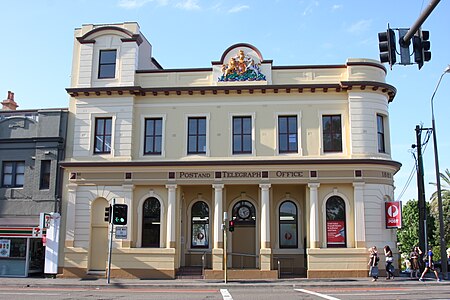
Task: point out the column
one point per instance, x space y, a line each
360 221
217 251
128 198
171 226
265 251
313 215
70 214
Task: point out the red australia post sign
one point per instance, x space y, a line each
393 211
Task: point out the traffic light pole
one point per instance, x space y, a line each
421 193
108 277
408 36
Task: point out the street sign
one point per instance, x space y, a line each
121 232
393 212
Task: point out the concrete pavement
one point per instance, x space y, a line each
101 283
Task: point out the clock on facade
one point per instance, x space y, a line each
244 212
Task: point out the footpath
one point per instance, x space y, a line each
101 283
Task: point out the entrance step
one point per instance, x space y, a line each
189 273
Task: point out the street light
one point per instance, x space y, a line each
438 181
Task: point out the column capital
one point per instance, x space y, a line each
128 187
171 186
265 186
314 185
218 186
72 187
358 184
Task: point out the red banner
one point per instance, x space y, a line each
335 233
393 212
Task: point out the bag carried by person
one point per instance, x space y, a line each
391 268
389 259
373 271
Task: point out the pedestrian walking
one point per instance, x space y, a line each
414 259
389 260
429 265
373 263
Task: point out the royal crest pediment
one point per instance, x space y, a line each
242 63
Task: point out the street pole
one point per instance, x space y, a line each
438 183
108 277
421 193
225 218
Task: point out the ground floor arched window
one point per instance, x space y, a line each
151 223
200 225
288 225
335 222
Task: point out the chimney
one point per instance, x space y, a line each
9 103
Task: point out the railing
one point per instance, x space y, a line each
242 257
290 262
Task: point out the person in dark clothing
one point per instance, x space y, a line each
429 266
373 263
389 261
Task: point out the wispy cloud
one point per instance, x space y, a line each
188 5
238 8
336 7
359 27
133 4
310 8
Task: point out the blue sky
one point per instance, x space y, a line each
36 50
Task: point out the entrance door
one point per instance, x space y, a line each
99 236
244 236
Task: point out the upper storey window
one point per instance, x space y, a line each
103 134
287 134
332 133
107 64
380 132
242 135
197 135
13 174
153 136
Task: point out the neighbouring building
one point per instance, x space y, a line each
32 143
299 157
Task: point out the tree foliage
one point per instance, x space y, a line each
408 235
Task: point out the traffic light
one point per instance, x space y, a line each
108 214
119 216
231 225
421 46
386 44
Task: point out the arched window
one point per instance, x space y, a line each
200 225
288 225
151 222
335 210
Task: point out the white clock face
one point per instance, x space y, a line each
244 212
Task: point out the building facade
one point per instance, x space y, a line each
298 157
32 143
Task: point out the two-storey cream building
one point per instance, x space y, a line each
297 156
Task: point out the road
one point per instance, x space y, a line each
431 290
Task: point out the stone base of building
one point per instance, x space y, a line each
119 273
336 273
241 274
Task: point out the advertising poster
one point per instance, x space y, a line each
5 246
335 233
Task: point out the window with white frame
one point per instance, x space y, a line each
335 222
200 225
196 135
153 136
288 225
380 134
332 133
107 64
103 135
151 223
287 134
13 174
242 135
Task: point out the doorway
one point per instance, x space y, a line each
243 238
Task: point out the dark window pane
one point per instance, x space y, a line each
107 57
13 174
45 175
332 133
107 64
103 136
151 223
